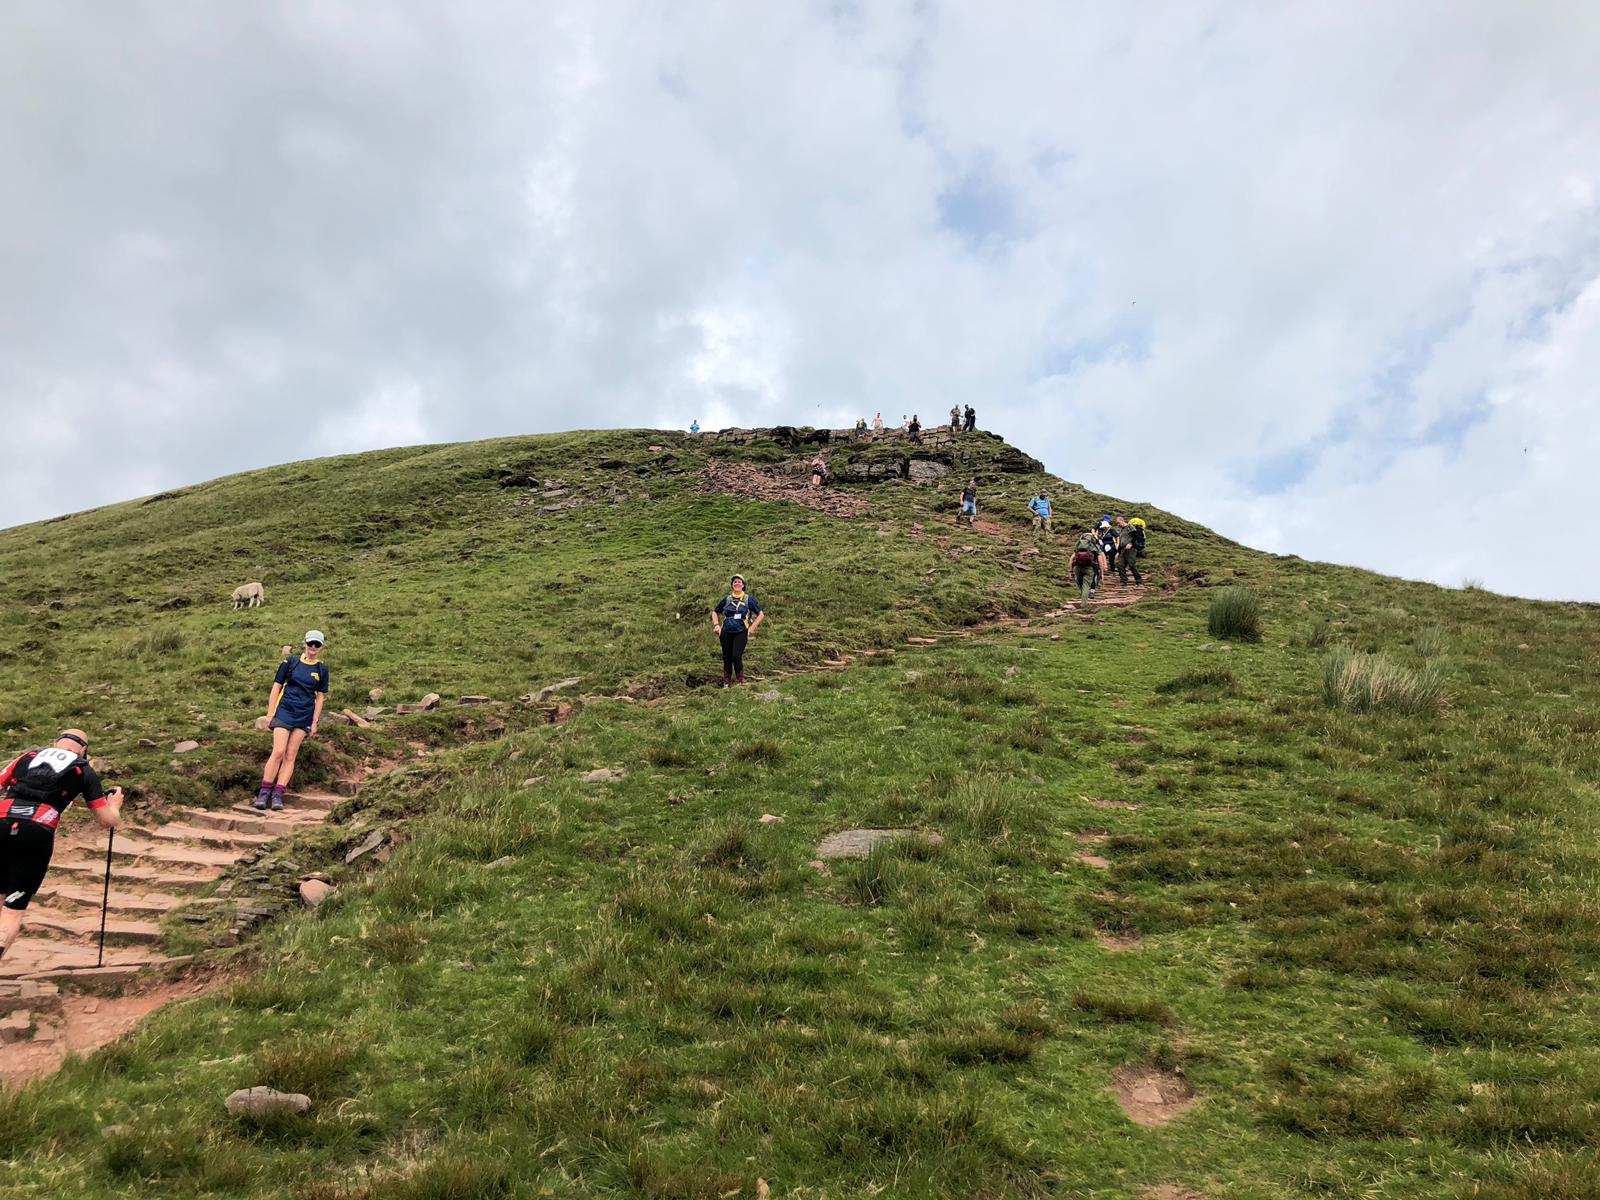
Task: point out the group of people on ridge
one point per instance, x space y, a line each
1114 543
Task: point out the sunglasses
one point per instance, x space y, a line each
315 645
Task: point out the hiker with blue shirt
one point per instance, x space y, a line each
694 425
299 691
732 620
1040 507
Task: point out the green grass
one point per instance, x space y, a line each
1368 939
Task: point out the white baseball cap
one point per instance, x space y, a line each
315 635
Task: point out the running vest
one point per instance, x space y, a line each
43 792
736 610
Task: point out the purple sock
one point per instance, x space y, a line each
278 789
266 788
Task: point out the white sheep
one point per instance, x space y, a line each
251 595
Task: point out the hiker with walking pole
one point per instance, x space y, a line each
35 790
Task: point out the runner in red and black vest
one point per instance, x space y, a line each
35 790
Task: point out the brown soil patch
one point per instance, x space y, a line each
1118 943
86 1023
1094 860
1171 1191
753 483
1099 803
1150 1096
1093 836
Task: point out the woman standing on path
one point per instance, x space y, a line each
731 618
298 692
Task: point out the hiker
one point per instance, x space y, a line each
694 425
877 423
1130 545
299 690
731 619
861 424
955 418
1040 507
905 423
1086 564
819 470
35 790
972 419
1108 547
969 503
915 428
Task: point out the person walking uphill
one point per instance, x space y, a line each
1086 564
969 503
1040 507
298 692
1130 545
35 790
731 618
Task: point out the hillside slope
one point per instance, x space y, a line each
1362 943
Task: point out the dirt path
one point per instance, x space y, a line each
53 996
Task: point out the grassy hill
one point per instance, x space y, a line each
1366 941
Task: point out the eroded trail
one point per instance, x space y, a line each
53 996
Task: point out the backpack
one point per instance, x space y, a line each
1138 537
41 783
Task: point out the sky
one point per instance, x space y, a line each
1324 276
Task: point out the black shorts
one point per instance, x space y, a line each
25 849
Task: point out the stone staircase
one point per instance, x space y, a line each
156 869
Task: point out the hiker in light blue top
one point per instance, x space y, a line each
1040 506
694 425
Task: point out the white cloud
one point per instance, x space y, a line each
1291 270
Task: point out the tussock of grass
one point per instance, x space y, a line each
1368 682
1214 681
1120 1007
765 751
1235 613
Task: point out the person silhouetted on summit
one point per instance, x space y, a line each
972 419
731 618
35 790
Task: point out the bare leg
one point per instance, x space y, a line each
10 924
280 749
291 751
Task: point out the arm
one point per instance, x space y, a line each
10 771
272 701
716 622
320 700
106 806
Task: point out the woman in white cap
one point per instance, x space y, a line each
298 692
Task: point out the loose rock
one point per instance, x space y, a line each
368 844
185 747
314 892
146 744
475 700
769 819
504 861
259 1102
858 843
602 775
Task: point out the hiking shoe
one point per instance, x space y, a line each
260 802
277 804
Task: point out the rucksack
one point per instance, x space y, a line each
41 783
1138 538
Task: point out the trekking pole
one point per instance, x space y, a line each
105 899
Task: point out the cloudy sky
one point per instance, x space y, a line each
1325 276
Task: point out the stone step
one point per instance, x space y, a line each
178 831
76 965
67 896
174 851
245 819
318 801
121 931
31 994
131 872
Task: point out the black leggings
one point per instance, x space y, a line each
733 644
25 849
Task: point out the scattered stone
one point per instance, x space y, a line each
376 695
494 725
146 744
560 712
770 697
260 1102
1030 552
374 712
533 781
820 867
345 787
185 747
769 819
475 700
858 843
505 861
429 702
15 1026
1095 860
1011 672
355 719
368 844
550 689
1150 1096
1055 637
314 892
923 641
602 775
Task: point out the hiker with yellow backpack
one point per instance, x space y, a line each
1130 545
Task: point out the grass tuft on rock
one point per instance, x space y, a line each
1235 614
